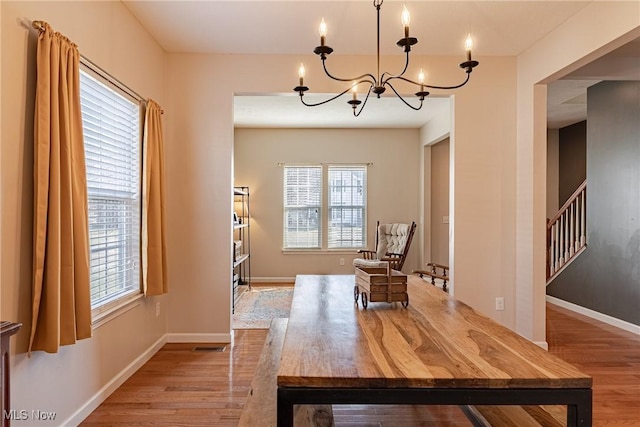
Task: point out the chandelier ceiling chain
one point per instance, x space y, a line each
378 84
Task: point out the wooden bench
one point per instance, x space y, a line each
435 274
260 409
518 416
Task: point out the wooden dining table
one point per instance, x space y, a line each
437 351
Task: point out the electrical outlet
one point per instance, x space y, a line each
341 261
499 304
158 309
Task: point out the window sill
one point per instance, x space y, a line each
103 317
319 251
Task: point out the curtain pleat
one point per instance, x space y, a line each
61 309
154 264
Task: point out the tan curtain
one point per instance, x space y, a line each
154 263
61 294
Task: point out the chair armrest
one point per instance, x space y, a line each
393 259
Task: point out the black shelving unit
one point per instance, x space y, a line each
241 242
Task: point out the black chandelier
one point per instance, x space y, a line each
378 85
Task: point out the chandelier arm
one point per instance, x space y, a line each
402 99
390 76
326 100
451 87
372 79
426 85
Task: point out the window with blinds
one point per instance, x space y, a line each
111 126
302 207
347 206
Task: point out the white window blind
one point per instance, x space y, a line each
302 207
347 206
111 127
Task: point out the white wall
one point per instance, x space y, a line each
199 155
392 185
108 35
483 192
593 31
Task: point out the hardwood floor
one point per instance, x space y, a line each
610 355
182 387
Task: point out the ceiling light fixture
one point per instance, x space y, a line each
378 85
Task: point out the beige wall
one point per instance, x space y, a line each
425 211
440 202
435 130
200 138
483 193
492 207
107 34
392 186
573 44
553 183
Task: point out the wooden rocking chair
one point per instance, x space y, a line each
392 246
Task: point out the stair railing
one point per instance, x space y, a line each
566 232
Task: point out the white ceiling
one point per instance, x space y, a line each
290 27
288 111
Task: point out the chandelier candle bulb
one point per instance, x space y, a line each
301 73
323 32
468 45
406 20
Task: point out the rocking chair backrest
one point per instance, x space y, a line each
394 239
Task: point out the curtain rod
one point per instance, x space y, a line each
39 25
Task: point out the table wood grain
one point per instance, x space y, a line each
437 342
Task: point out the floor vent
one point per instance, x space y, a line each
217 349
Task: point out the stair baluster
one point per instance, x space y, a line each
566 233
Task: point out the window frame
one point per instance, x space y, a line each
118 303
286 208
325 208
330 207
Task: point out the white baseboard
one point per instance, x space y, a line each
542 344
273 279
618 323
199 338
86 409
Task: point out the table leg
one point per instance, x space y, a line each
581 413
284 410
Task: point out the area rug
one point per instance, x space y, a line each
256 307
